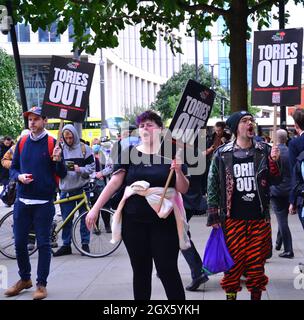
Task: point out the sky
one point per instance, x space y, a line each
296 19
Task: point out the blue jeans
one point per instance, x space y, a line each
40 216
66 208
280 207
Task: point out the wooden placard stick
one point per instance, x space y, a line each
59 135
274 135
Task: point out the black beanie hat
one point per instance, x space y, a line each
233 121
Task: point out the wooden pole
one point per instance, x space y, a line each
165 188
274 135
59 134
178 154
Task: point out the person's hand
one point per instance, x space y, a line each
57 153
177 163
275 153
216 225
91 218
292 209
76 168
25 178
99 175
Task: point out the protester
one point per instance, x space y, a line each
35 170
238 199
148 237
4 147
192 203
296 147
80 164
280 199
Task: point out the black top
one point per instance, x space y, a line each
151 168
245 202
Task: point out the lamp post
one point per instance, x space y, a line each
11 29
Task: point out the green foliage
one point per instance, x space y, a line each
130 116
11 122
170 93
106 18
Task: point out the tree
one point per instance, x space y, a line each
11 122
170 93
107 17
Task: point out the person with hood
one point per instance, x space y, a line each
80 164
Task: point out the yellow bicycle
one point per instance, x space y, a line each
100 235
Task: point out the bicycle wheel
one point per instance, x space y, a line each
100 236
7 241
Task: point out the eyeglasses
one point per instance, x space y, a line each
247 120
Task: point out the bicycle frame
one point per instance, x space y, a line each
84 201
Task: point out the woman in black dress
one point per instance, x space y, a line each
147 237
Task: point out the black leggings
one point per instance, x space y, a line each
156 241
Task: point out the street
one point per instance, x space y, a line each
75 277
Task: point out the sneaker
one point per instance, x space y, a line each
85 247
30 247
231 295
194 285
63 251
54 244
18 287
40 293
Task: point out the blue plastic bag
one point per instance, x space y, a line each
217 257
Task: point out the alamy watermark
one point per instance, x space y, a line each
3 277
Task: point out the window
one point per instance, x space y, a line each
22 33
224 66
49 35
35 73
71 31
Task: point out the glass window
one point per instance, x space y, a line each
249 62
49 35
224 66
205 53
35 73
22 33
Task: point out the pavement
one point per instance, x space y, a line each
76 277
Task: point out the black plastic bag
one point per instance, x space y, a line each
8 194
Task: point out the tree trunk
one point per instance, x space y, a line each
237 22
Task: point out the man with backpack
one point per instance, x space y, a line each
34 170
80 164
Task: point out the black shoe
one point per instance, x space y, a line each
256 295
286 254
108 229
194 285
278 247
85 247
63 251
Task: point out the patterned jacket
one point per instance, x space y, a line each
221 183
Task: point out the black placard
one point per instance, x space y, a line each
277 67
190 117
68 89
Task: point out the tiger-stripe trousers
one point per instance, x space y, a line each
248 244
